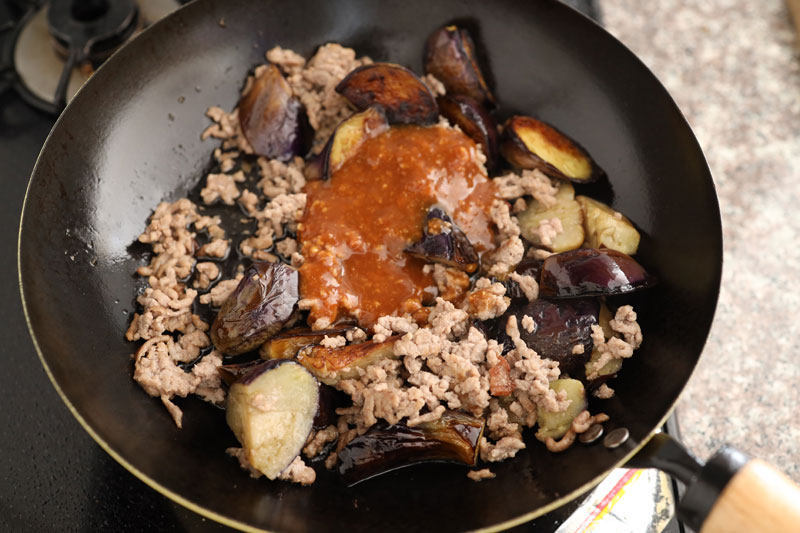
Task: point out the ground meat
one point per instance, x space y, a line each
578 349
222 187
279 178
625 322
286 247
480 475
355 335
548 229
519 206
215 248
614 348
318 440
529 183
333 342
298 472
159 375
226 127
289 61
249 202
205 274
527 284
603 392
528 324
503 449
284 209
501 262
488 302
507 226
435 86
221 291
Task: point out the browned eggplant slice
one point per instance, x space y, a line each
330 365
450 56
528 143
271 411
452 438
286 344
607 228
444 242
326 411
590 272
472 118
259 307
272 119
348 137
559 326
399 92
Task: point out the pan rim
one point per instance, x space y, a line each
242 526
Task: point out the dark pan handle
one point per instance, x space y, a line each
731 493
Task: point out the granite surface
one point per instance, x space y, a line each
734 69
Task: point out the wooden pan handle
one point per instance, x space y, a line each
757 498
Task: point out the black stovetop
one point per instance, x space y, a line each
53 476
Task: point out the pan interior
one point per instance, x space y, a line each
131 138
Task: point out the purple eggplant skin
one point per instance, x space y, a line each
274 122
591 272
444 242
452 438
450 56
258 308
326 410
474 120
559 326
399 92
231 373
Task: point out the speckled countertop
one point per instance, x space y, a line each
734 68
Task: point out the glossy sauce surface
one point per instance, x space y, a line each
357 224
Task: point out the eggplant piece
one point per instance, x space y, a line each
444 242
606 228
450 57
452 438
399 92
528 143
271 411
259 307
286 344
590 272
273 120
232 373
473 120
566 209
348 137
555 425
330 365
326 410
559 327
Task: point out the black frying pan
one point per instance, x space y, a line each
132 138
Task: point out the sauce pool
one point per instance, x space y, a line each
357 224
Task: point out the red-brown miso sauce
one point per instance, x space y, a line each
357 224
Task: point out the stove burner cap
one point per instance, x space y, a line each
91 29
